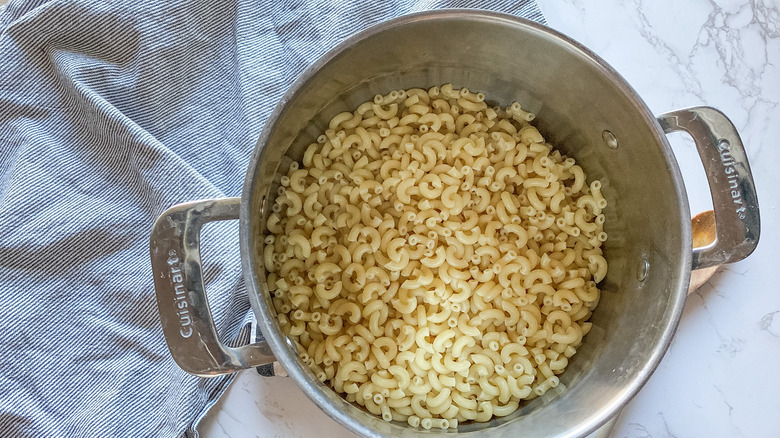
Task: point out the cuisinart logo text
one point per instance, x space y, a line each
733 178
180 298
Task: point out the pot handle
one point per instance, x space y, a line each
731 183
181 296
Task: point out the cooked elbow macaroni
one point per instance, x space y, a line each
434 259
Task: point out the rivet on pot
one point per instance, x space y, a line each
279 370
609 139
641 273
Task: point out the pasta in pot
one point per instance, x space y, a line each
434 259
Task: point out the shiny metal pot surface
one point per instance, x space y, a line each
583 107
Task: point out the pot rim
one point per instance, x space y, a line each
278 344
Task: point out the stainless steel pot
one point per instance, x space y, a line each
585 108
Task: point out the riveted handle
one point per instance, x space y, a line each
731 183
181 296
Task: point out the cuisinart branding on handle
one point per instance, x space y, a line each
180 298
732 176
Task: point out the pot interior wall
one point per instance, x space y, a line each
575 101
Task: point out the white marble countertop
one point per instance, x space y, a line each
719 378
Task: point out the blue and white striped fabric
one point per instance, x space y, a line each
111 112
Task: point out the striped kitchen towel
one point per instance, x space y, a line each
111 112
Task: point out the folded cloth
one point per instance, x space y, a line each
111 112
